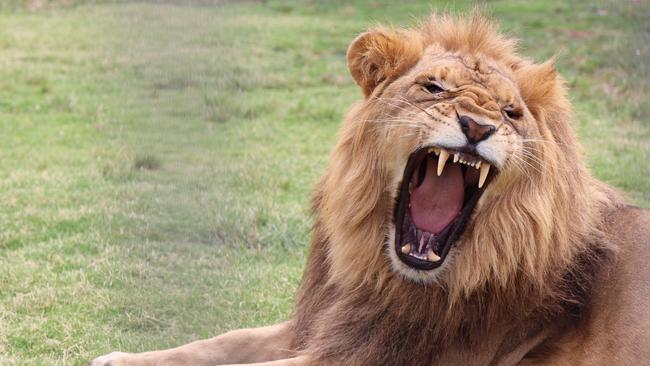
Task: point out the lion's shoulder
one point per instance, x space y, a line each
619 314
629 228
615 329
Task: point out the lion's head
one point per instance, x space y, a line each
459 167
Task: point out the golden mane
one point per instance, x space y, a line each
542 219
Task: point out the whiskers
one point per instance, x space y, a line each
530 157
524 161
397 102
407 120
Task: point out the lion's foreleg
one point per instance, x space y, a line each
243 346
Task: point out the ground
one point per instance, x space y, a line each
157 159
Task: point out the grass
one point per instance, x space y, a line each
157 159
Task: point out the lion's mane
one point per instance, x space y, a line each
533 254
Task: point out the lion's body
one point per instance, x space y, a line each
614 328
610 327
551 268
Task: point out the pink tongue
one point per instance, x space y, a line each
438 200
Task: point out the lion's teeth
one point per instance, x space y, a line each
456 157
431 256
444 155
478 165
485 169
406 249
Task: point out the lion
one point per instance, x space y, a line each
455 224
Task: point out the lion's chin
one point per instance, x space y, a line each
410 274
438 194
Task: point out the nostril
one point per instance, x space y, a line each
474 131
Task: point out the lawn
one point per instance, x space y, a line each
157 159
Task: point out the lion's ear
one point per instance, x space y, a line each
382 54
542 88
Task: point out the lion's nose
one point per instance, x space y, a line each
475 132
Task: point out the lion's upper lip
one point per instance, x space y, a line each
439 191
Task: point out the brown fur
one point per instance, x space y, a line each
528 280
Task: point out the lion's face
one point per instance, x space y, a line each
458 123
460 144
458 166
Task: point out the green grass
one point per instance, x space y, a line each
157 160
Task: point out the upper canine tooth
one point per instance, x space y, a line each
406 249
444 155
456 157
485 169
436 150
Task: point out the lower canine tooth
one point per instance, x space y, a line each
406 249
485 169
442 160
433 257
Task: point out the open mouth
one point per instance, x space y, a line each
439 191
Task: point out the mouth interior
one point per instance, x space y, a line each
438 194
435 200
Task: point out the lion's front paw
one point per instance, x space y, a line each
111 359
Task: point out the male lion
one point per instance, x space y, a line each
456 224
